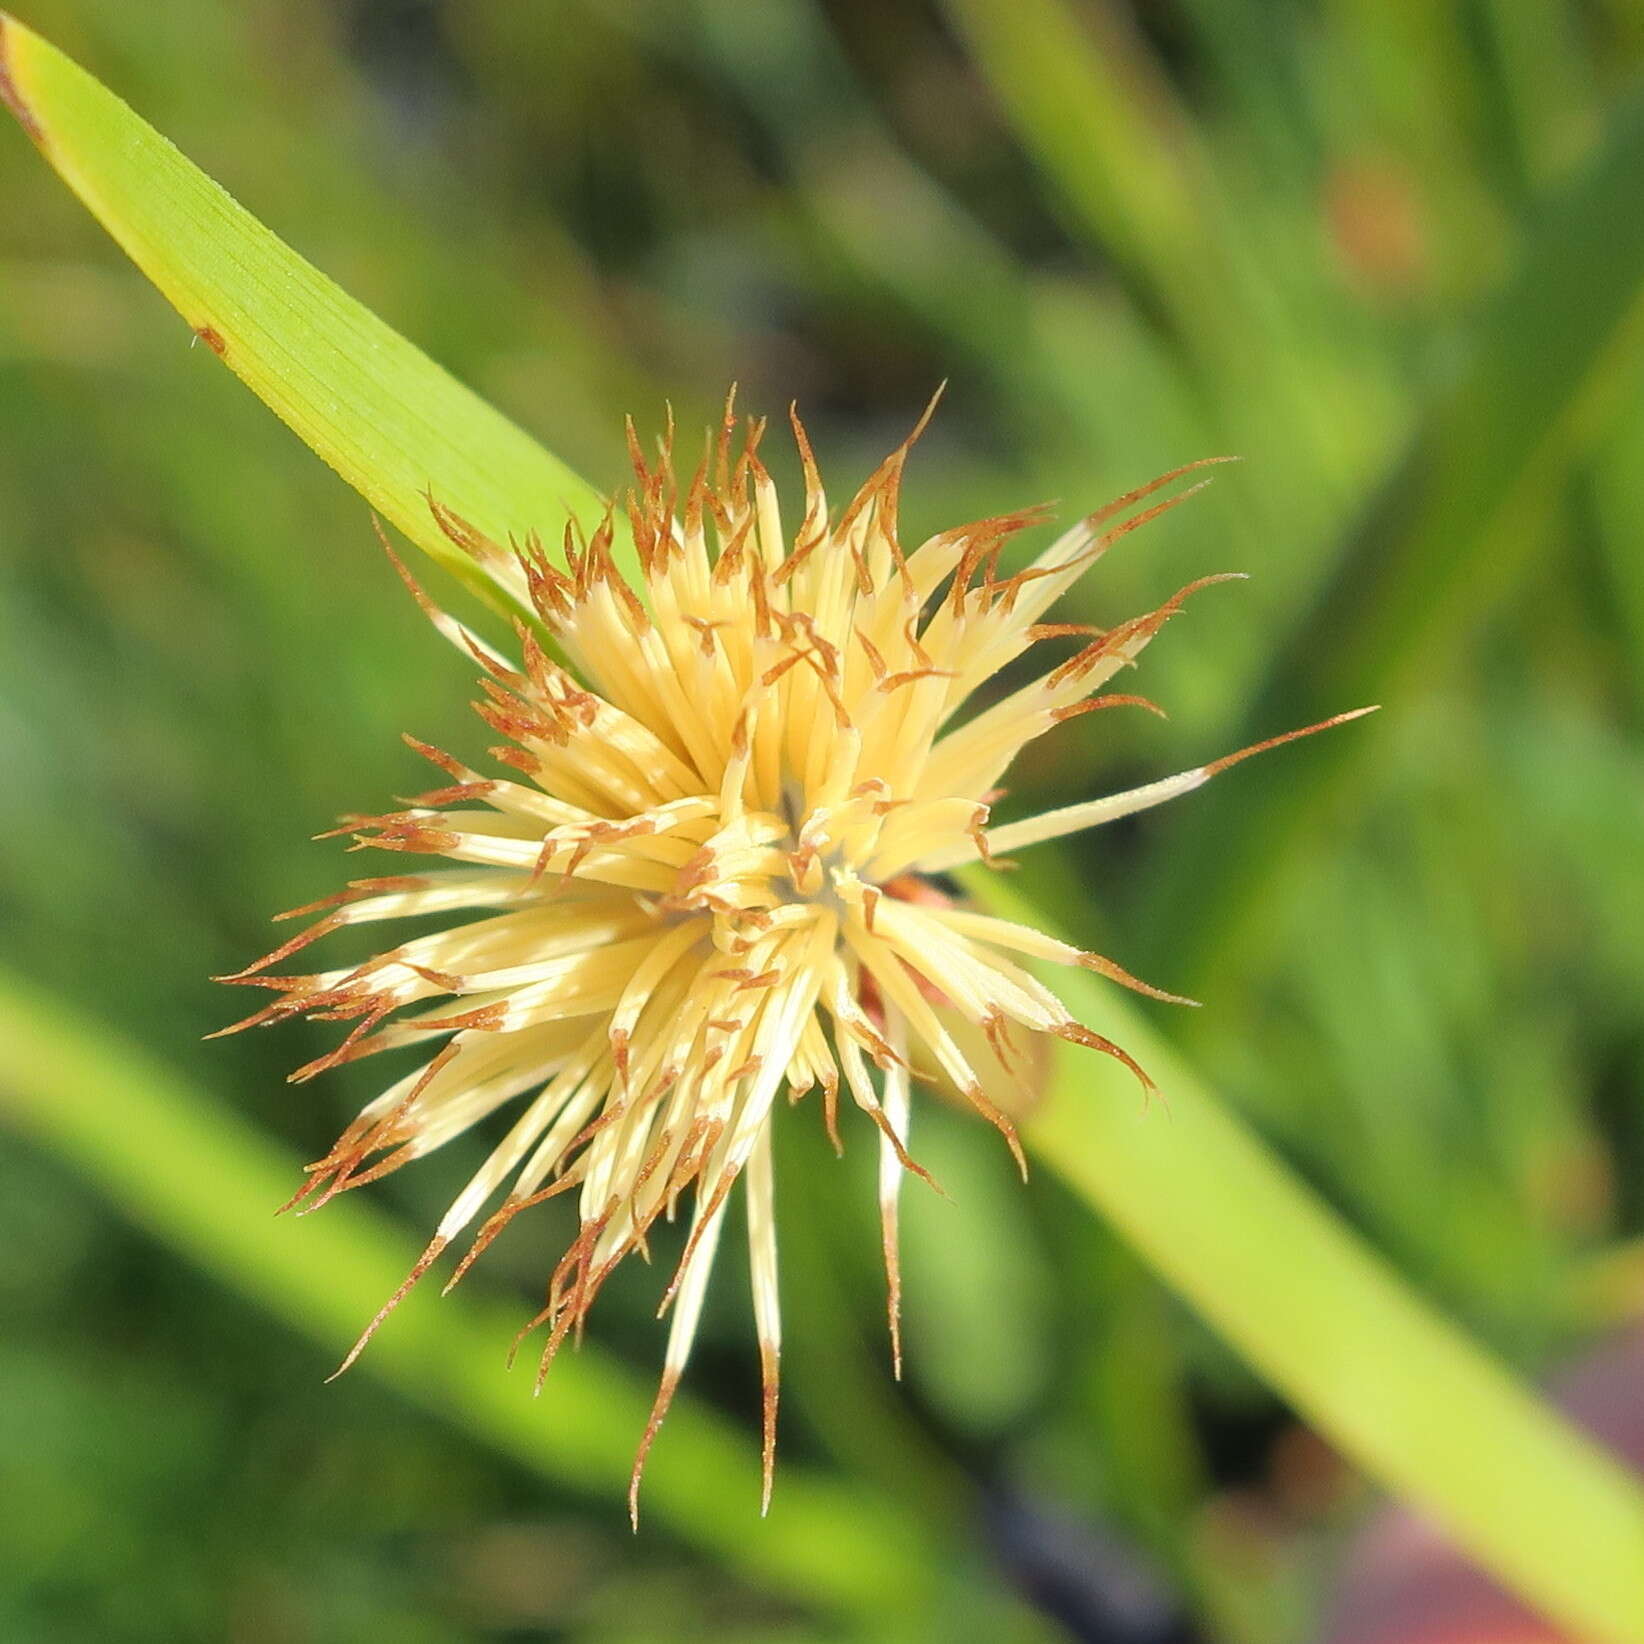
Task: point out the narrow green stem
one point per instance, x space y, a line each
1334 1329
205 1183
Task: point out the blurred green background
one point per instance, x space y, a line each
1390 253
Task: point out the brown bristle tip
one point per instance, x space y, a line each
1227 761
1117 973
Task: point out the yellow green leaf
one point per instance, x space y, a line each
389 420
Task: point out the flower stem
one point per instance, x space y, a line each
1334 1329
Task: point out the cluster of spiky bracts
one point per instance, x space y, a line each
709 883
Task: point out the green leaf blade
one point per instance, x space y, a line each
1323 1317
391 422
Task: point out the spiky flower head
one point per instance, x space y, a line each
710 883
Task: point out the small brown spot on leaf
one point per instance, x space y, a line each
212 338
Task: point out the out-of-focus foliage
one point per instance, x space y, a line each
1129 236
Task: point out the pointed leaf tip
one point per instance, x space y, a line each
392 423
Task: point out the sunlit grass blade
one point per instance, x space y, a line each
1437 547
1137 183
1103 131
389 420
205 1184
1324 1319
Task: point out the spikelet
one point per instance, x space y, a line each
707 878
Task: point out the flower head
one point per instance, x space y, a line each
709 881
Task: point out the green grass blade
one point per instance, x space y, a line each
205 1183
389 420
1439 544
1103 131
1318 1314
1141 186
869 201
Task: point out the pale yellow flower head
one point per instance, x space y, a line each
707 885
